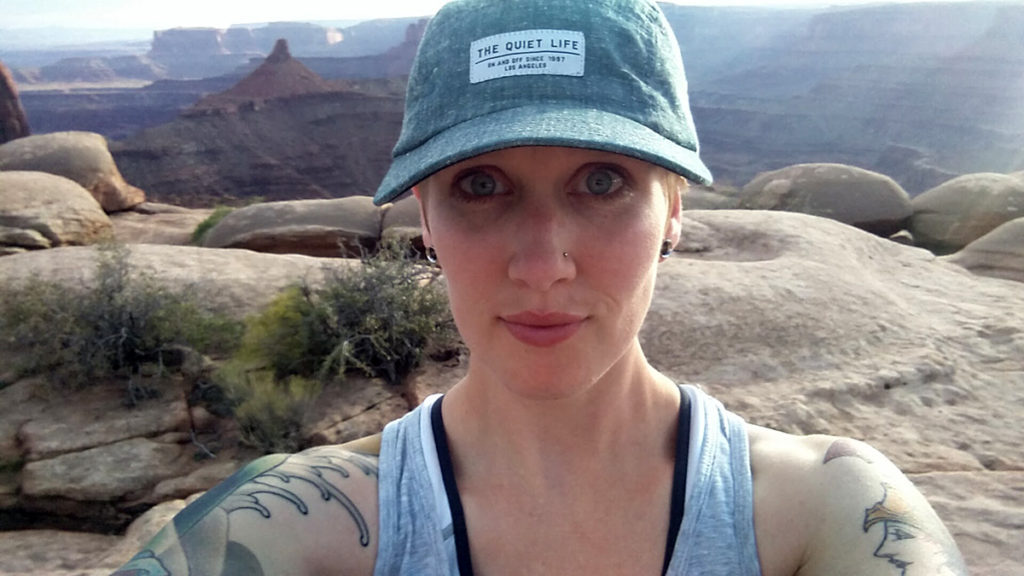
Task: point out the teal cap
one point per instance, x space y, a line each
494 74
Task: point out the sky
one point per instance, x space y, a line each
162 14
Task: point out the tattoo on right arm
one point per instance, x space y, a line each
197 539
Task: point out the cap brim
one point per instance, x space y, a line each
539 125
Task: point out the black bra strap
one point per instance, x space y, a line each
675 520
444 458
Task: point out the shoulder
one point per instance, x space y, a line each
827 505
314 512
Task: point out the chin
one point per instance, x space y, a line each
545 383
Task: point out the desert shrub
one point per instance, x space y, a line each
115 327
218 214
270 412
378 318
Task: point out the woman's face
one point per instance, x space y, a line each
550 256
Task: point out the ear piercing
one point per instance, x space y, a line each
666 249
431 255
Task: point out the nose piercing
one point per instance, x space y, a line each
565 254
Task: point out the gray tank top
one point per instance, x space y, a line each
717 534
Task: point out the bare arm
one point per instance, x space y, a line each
851 512
308 513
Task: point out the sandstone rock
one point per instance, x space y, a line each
809 326
96 416
105 473
23 238
19 403
324 145
999 254
697 197
13 123
278 76
401 222
36 204
985 514
141 531
861 198
342 227
203 478
79 156
235 282
52 552
155 225
352 409
958 212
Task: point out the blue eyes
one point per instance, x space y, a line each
593 181
479 184
601 181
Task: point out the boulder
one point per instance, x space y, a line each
697 197
107 473
235 282
97 417
20 402
868 200
39 210
401 222
999 254
53 553
343 227
79 156
152 223
958 212
13 122
809 326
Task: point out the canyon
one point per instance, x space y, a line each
920 92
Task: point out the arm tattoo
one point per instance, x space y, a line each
197 540
914 543
274 482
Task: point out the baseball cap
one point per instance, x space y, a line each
494 74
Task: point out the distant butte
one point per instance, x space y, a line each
279 76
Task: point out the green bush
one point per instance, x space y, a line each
120 324
378 318
218 214
269 412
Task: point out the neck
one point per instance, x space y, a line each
628 415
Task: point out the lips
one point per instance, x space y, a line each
542 329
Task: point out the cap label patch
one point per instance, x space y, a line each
553 52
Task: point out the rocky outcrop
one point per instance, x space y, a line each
236 282
401 222
155 223
870 201
13 123
100 70
999 254
279 76
956 213
40 210
345 227
325 145
79 156
697 197
774 88
795 321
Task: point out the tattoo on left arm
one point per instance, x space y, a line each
913 541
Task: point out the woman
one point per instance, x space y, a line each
547 142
